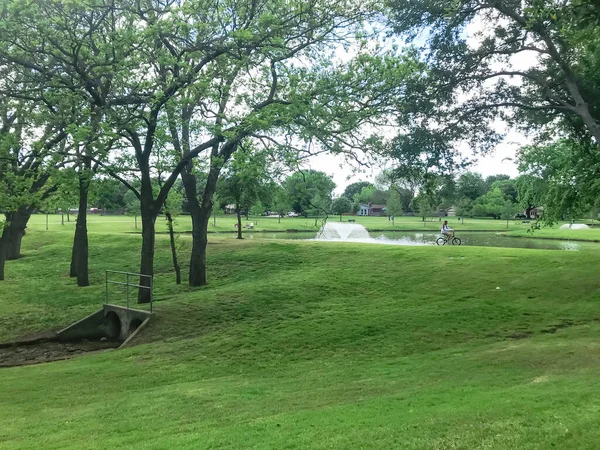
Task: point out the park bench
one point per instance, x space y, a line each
351 220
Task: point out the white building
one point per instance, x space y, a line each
363 210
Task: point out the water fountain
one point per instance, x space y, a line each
350 232
338 231
574 226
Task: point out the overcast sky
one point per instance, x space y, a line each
500 162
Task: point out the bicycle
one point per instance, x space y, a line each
443 240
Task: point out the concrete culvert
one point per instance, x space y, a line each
134 325
112 325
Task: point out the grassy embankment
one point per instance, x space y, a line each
591 234
315 345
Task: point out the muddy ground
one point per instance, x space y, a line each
47 351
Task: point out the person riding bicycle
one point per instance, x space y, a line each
447 231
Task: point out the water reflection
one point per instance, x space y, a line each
468 239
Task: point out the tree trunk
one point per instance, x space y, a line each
201 212
147 255
79 255
15 226
62 217
3 244
12 234
197 275
239 222
200 217
173 248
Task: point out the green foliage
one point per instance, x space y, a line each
309 192
282 204
561 176
471 185
425 203
492 204
66 194
27 158
246 180
394 205
341 205
370 194
356 188
108 194
132 204
560 89
490 180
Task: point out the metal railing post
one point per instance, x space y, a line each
129 284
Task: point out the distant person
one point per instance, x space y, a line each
446 230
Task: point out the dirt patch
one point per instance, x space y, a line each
564 323
521 335
46 351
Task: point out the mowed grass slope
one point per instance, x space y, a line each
591 234
299 345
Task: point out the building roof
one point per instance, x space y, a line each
367 205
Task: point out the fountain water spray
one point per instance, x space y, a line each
350 232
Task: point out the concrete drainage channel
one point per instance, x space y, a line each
111 327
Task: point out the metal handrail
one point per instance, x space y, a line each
127 284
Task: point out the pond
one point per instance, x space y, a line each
481 239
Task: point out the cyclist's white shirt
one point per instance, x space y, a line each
445 229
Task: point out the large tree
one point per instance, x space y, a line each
184 83
355 188
68 57
561 176
341 205
27 160
246 181
471 185
532 62
309 192
258 91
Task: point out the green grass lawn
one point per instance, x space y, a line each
298 345
591 234
224 223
